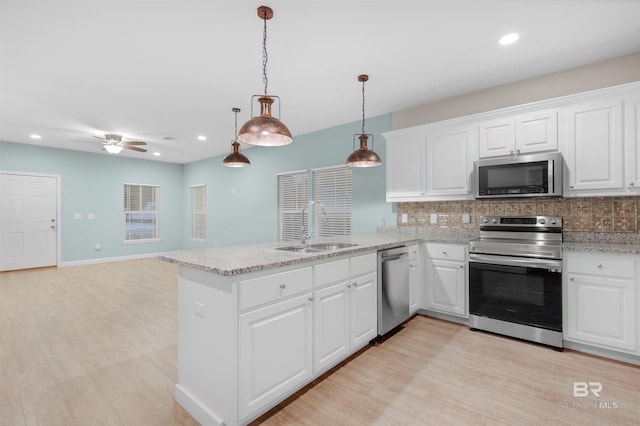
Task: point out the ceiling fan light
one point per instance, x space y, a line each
113 149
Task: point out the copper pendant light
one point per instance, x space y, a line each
363 156
236 159
265 130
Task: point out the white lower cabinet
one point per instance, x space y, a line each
345 311
602 300
446 279
275 352
415 279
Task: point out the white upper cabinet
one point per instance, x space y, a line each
632 141
405 168
520 134
450 156
592 147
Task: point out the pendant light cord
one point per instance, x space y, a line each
363 108
264 54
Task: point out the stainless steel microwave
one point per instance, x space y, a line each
536 175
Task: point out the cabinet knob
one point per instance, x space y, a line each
517 151
599 265
355 283
511 152
570 186
461 266
444 252
570 278
631 183
349 285
282 286
311 299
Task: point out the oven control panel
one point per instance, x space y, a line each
522 221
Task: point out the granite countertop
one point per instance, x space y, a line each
236 260
242 259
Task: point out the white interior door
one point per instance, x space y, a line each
28 221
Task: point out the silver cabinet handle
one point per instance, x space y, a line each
282 286
570 278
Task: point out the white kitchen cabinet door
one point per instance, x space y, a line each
450 156
592 147
446 287
414 287
364 310
331 310
537 131
275 352
602 311
405 168
497 137
632 141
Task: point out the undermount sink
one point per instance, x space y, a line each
316 248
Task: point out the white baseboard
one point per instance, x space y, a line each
108 259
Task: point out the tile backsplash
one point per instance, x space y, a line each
598 214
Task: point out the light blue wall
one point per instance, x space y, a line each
241 203
92 183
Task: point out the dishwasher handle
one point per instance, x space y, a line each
392 257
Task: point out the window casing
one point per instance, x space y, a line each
140 213
199 213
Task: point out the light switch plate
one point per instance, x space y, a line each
91 216
434 218
466 218
405 218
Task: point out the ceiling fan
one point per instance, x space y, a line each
113 143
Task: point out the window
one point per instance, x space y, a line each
332 195
199 213
140 213
293 196
330 210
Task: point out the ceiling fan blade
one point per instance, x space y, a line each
135 143
99 137
135 148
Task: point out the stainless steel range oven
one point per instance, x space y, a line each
515 278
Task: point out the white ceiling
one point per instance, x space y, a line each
175 68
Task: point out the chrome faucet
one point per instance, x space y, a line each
305 236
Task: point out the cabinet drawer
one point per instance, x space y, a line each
256 291
330 272
364 264
601 264
447 251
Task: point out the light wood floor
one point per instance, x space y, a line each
96 345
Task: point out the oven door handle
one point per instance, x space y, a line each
556 265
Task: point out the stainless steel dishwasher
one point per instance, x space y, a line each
393 288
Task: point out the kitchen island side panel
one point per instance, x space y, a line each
207 346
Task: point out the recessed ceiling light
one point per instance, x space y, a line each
202 138
508 39
34 136
157 154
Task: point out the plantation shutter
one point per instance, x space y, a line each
332 189
293 195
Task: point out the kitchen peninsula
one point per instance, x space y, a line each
257 323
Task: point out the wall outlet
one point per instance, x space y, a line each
466 218
98 247
405 218
199 309
434 218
